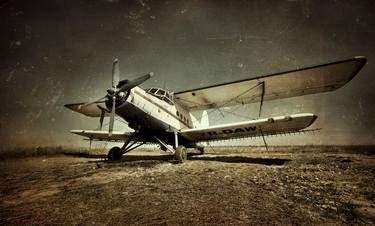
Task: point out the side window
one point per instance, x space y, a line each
178 113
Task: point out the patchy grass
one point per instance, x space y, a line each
22 152
278 187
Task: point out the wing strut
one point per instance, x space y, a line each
264 139
90 145
263 84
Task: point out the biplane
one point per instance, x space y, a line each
162 117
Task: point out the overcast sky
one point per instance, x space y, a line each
57 52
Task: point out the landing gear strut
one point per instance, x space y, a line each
180 153
115 153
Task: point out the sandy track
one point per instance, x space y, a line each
276 187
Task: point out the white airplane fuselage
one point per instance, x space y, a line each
146 112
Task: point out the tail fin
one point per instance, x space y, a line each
204 119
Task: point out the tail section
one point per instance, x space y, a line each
203 123
204 119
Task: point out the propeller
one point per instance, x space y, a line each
113 92
115 81
118 87
135 82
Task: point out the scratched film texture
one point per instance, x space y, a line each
57 52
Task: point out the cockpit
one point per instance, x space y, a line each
161 94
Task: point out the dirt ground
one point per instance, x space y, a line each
283 186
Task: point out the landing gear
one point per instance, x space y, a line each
115 154
181 154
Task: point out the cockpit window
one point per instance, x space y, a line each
161 94
152 90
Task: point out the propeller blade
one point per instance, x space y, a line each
136 82
112 116
115 73
102 114
92 102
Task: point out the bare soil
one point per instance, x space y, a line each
284 186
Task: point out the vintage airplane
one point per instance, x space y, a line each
165 118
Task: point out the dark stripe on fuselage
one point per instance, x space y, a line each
162 108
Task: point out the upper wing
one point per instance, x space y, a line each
316 79
259 127
92 110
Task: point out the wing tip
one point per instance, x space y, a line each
361 62
360 57
313 119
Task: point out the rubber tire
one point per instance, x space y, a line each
181 154
114 154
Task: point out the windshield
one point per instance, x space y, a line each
161 94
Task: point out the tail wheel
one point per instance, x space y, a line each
181 154
115 154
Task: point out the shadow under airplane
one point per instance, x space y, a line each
194 157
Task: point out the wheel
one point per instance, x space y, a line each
181 154
114 154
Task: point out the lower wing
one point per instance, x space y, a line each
252 128
91 110
103 135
